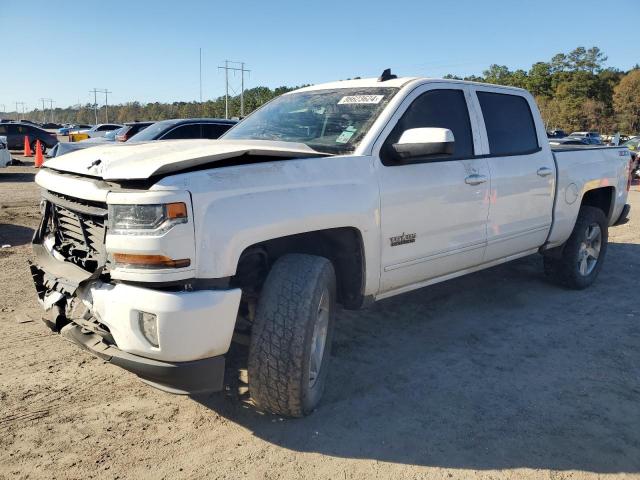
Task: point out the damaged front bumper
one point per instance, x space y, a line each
194 328
198 376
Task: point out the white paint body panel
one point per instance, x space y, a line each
459 227
191 325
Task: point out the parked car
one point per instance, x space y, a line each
65 147
569 141
51 126
65 130
556 133
182 128
342 193
15 133
632 144
5 156
96 131
130 129
593 138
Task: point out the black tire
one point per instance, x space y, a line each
43 147
569 268
280 377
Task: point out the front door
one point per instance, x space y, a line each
433 210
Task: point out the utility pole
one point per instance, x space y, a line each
95 103
200 75
4 108
44 115
51 102
226 69
242 90
95 92
44 109
20 103
106 105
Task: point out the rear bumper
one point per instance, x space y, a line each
624 215
198 376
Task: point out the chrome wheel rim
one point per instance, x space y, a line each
590 250
319 339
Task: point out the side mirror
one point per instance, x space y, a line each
425 142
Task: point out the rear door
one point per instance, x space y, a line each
522 172
433 210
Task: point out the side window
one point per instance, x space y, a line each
3 130
214 130
435 108
184 131
509 124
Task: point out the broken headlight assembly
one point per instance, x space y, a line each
146 220
154 219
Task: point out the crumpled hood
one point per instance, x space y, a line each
143 160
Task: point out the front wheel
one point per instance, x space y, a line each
43 147
584 252
291 337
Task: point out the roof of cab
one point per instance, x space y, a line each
395 82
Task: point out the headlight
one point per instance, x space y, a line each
146 219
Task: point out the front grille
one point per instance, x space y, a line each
78 228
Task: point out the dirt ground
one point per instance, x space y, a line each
499 374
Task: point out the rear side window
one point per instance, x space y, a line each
184 131
214 130
436 108
509 124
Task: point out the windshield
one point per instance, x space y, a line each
329 121
152 131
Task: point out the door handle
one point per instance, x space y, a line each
544 172
475 179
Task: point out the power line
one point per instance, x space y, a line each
20 103
226 69
95 104
95 92
51 102
44 110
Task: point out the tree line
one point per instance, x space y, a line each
132 111
575 91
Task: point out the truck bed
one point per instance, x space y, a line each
582 168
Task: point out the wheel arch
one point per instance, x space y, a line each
343 246
602 198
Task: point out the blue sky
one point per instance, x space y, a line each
148 50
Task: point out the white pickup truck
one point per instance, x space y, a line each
156 256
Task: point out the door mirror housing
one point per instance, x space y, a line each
425 142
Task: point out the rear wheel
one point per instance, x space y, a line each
43 147
583 253
292 334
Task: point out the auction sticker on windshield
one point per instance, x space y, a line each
360 99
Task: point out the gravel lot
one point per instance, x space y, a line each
495 375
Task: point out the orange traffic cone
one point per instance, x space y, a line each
39 158
27 147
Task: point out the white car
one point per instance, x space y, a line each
5 156
99 130
155 256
